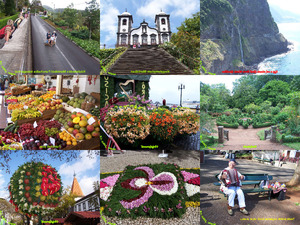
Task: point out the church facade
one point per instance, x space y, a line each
144 35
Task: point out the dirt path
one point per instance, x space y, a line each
247 139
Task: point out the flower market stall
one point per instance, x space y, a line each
51 115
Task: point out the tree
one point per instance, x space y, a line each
187 39
243 94
69 15
295 181
92 13
9 7
274 91
67 201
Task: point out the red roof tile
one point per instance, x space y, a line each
60 220
83 215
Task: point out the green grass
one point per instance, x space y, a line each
295 145
261 135
3 22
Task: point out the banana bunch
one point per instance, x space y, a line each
21 114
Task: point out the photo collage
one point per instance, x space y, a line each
249 112
100 112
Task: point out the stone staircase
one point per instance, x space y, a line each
142 61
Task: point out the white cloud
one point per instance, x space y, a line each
109 21
152 7
82 165
290 5
81 168
86 183
3 192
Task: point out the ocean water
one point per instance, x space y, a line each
288 63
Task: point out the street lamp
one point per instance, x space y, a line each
181 87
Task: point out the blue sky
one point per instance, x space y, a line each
142 9
159 90
87 171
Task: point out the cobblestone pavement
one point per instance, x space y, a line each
262 211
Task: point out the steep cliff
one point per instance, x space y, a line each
237 34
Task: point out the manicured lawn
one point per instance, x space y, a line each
295 145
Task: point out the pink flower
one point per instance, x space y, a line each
179 206
164 184
170 210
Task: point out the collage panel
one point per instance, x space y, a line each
258 37
49 187
265 184
50 112
150 37
150 142
49 37
250 112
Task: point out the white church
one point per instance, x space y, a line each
144 35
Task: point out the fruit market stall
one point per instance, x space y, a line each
51 120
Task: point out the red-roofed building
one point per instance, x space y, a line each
83 218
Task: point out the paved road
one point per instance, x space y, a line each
213 204
65 55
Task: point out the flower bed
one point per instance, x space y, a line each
129 122
189 122
164 126
158 190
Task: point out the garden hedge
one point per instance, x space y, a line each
290 139
259 125
227 125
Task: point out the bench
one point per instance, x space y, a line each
251 179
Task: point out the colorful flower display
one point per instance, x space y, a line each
35 188
157 190
164 184
129 122
164 126
189 122
192 184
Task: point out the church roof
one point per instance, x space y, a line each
161 13
126 13
76 189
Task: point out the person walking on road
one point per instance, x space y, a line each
231 185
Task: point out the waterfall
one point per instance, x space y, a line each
241 46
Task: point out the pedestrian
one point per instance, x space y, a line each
6 83
6 31
134 46
231 185
139 45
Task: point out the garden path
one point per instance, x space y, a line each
247 139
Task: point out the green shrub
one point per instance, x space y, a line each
266 124
245 124
61 23
281 117
289 139
275 110
82 34
227 125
